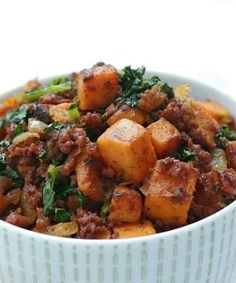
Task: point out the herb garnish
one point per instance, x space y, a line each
58 187
224 135
185 154
133 83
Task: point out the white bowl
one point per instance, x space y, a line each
203 252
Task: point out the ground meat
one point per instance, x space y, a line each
26 167
152 99
41 112
68 139
42 222
231 154
227 182
30 147
94 123
197 123
33 195
10 130
89 224
53 98
207 197
93 151
203 157
16 218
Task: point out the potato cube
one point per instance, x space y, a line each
126 205
169 191
165 137
97 87
127 112
138 229
217 111
88 178
127 148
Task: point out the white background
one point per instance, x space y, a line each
43 38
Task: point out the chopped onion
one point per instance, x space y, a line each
36 126
23 137
63 229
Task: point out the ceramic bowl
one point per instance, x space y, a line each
203 252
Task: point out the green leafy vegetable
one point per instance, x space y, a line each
105 208
133 83
59 81
4 144
13 174
2 123
224 135
185 154
53 88
18 116
74 112
19 130
61 215
54 127
58 187
3 158
48 198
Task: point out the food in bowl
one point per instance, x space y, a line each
106 154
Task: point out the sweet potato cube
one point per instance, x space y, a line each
127 148
126 205
88 178
138 229
165 137
97 87
216 111
169 191
130 113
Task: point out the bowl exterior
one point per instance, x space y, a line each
204 252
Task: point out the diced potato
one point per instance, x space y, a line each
231 154
88 178
130 113
138 229
126 205
217 111
59 112
97 87
165 137
63 229
219 161
169 191
127 147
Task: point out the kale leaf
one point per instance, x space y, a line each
185 154
18 116
133 83
58 187
224 135
61 215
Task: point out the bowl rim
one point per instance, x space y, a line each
7 227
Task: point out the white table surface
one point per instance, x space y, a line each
43 38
